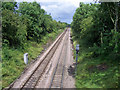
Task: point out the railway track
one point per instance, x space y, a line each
58 76
32 77
33 80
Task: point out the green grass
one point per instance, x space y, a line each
96 72
12 59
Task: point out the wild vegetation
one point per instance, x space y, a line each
96 27
25 29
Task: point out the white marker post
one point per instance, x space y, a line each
26 58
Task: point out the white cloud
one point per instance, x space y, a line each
61 10
74 2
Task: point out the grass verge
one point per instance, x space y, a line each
101 71
12 59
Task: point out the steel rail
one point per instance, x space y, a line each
64 66
58 64
56 44
54 47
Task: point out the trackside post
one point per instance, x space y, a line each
77 51
26 58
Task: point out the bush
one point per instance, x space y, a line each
13 30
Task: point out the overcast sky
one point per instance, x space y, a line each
60 10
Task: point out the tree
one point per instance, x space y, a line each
9 5
13 30
96 25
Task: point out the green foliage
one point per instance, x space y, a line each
39 23
24 29
96 28
13 62
29 22
9 5
95 25
13 30
82 22
96 72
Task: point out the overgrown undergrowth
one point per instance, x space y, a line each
12 59
93 27
96 71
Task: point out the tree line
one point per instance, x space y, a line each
22 22
96 27
26 27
